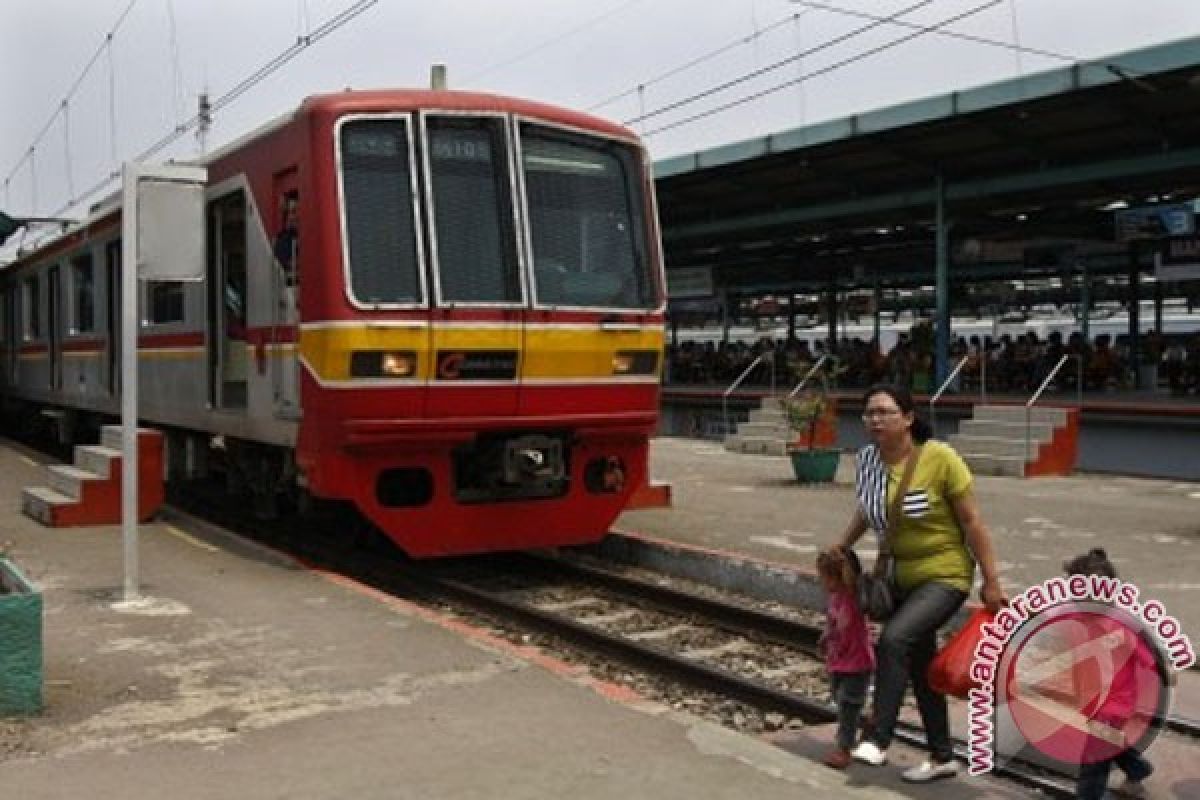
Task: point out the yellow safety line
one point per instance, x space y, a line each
192 540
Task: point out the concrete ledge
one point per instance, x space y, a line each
762 580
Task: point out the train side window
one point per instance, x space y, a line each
83 284
32 309
164 302
286 245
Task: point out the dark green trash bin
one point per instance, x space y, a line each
20 643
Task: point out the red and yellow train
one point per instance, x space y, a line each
444 307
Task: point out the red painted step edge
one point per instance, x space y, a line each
100 500
1059 455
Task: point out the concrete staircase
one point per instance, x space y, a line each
89 492
766 433
992 442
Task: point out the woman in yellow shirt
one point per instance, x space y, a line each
936 543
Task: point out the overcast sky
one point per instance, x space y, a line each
564 51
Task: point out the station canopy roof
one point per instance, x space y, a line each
1040 157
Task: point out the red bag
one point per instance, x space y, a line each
950 671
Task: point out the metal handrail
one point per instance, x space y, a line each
1037 395
811 372
938 395
983 359
742 377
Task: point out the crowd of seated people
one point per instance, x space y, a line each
1016 364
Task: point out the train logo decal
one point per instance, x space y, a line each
477 365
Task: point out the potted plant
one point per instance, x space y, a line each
20 642
812 418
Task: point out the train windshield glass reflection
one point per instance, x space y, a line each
586 222
475 241
380 231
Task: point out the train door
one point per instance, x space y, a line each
477 338
283 354
112 322
53 330
228 370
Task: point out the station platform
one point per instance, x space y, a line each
751 508
753 505
246 674
1145 433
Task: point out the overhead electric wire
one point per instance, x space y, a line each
741 41
266 70
74 86
1016 35
966 37
550 42
817 73
825 45
244 85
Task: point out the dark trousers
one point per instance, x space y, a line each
850 694
906 646
1093 778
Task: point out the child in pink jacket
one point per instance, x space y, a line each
846 642
1110 715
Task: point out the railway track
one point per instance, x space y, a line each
762 660
793 632
643 649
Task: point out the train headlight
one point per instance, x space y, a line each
383 364
635 362
399 365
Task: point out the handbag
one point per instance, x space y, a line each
950 671
875 590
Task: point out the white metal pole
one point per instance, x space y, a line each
129 379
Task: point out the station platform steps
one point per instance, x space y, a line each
992 441
89 491
767 432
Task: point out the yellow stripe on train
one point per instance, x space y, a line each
568 352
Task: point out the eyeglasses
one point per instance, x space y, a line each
880 413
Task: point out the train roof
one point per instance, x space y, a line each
367 101
354 101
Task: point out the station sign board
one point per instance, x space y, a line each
1179 259
1154 222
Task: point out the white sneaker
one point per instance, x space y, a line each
930 771
1132 788
869 753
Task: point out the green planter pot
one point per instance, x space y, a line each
20 643
815 466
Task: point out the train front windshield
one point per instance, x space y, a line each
586 221
584 215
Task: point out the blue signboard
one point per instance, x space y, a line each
1154 222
